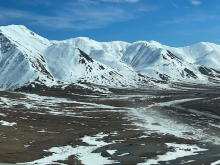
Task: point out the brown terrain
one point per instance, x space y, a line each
43 121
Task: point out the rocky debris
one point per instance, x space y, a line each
105 154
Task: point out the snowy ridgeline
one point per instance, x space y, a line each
26 57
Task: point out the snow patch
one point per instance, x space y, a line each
5 123
216 163
82 153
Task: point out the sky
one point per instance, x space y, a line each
170 22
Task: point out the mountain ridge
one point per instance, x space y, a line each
26 57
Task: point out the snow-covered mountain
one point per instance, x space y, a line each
26 58
155 60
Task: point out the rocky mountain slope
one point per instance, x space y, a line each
27 58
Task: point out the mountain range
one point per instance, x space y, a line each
29 59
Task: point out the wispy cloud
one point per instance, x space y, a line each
8 15
78 15
193 17
121 1
36 2
195 2
211 31
175 5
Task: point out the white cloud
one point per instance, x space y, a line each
195 2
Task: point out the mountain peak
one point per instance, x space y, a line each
155 42
19 28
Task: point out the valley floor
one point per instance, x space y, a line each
143 127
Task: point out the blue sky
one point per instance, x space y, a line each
171 22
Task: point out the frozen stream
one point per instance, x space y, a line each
182 124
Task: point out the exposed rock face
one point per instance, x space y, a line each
105 154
